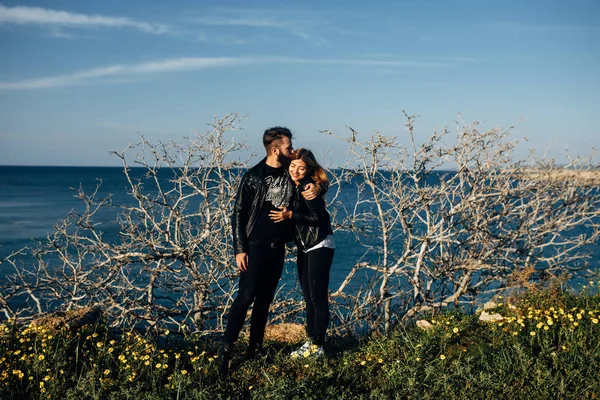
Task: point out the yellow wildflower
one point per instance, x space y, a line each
442 357
532 333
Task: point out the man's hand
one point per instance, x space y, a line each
312 191
279 216
241 259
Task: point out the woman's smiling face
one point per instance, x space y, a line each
298 170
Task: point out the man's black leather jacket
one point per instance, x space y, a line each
312 222
248 203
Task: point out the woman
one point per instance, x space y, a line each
314 238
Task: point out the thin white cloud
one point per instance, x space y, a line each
24 15
362 62
59 32
123 71
516 27
294 21
258 22
128 73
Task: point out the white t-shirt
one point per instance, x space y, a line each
327 242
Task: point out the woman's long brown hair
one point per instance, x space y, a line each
315 171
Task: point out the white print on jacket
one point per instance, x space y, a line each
276 190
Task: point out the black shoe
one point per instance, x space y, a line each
255 350
225 353
224 368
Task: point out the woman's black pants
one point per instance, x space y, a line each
313 274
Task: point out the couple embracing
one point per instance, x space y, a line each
280 199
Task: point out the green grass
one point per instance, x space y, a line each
548 346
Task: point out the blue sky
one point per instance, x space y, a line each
78 79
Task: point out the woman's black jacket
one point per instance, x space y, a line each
312 222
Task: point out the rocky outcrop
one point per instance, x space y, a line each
70 319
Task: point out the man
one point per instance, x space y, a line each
259 242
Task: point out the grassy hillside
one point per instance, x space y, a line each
547 345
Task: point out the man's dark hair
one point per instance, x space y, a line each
273 134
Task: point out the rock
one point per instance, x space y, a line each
487 317
425 325
70 319
490 305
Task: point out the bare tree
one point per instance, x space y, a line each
171 259
431 238
435 239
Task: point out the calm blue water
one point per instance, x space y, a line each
33 199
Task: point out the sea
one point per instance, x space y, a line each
33 199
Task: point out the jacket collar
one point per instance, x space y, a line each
259 169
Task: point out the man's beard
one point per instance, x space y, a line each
283 160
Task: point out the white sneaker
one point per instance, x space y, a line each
302 350
317 351
309 350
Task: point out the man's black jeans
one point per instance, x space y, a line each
257 285
313 274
